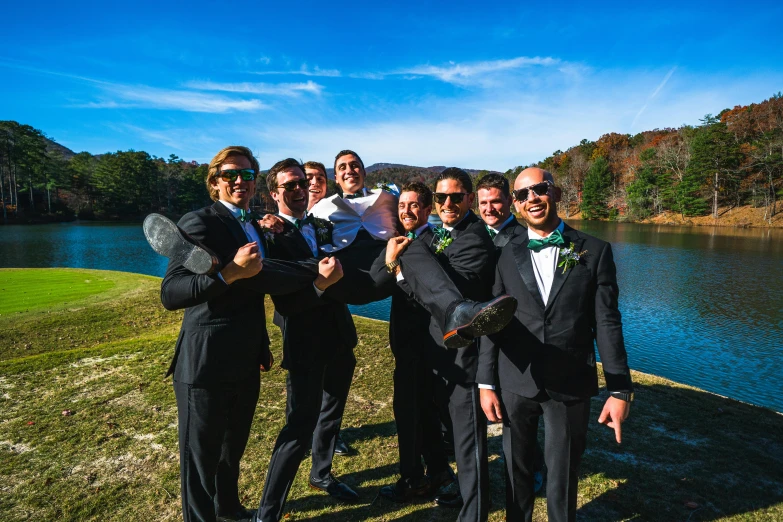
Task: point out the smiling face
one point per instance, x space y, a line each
316 185
294 202
411 211
494 207
450 212
237 191
349 174
539 212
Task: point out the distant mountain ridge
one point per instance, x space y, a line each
54 147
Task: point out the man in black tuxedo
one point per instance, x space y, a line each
416 412
221 346
457 264
318 341
494 206
544 361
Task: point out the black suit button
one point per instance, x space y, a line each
548 322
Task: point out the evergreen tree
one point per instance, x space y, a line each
595 193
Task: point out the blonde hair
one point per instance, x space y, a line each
220 158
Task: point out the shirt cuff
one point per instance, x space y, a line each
318 292
400 277
220 276
486 387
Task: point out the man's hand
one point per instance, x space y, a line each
614 413
329 272
266 366
490 403
395 247
247 262
272 222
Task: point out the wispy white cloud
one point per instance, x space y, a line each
279 89
652 96
462 73
304 70
144 96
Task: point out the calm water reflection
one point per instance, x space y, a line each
700 306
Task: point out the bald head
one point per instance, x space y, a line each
538 206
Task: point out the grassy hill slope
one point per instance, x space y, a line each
97 344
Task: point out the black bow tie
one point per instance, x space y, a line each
299 223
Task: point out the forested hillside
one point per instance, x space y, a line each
728 160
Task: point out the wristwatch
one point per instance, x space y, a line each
623 396
391 266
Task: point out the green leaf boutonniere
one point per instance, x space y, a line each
269 236
323 231
569 257
442 239
391 188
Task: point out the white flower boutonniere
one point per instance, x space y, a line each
323 230
569 257
391 188
269 236
443 239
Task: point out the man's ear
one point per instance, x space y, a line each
557 194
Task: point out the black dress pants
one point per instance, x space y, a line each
357 286
214 425
315 403
565 435
470 448
417 417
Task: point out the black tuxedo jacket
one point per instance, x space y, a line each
550 346
314 328
223 336
511 230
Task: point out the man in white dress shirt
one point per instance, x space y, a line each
543 362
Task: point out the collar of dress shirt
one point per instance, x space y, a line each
451 227
501 227
365 192
291 219
231 208
533 235
421 229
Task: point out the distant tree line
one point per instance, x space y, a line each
732 159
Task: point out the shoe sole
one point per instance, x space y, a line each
491 319
168 240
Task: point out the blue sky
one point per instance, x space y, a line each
422 83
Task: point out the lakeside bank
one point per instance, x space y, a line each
97 343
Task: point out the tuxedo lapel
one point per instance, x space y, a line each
525 267
296 236
231 222
506 234
559 279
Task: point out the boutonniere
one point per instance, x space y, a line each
443 239
269 235
569 257
391 188
323 230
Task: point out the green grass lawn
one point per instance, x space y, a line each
103 356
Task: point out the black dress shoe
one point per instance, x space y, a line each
335 488
449 496
470 319
404 490
242 514
167 239
441 480
341 448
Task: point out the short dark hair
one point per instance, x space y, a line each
315 165
421 189
458 175
494 181
277 168
345 153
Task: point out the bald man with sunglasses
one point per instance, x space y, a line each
543 363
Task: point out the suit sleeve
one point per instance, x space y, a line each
181 288
608 325
471 264
487 371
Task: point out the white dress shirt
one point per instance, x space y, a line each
545 263
308 232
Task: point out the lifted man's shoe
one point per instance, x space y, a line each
168 240
470 319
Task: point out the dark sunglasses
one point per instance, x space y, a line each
229 175
291 186
456 197
539 189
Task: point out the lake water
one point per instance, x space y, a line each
702 306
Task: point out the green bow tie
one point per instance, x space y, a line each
246 216
354 196
299 223
491 232
411 235
554 239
